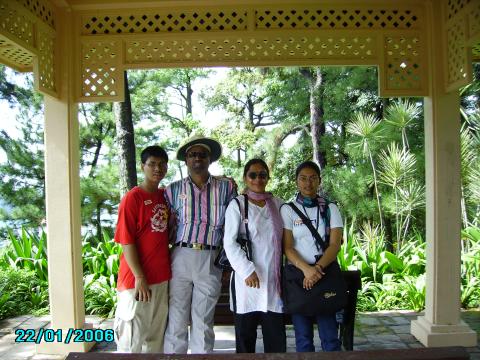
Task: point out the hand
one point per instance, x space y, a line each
308 284
320 268
312 275
142 291
253 281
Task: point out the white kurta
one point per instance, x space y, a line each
260 227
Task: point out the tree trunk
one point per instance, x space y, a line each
388 234
98 220
188 98
239 158
126 142
317 124
278 139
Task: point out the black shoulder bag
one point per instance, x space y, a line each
327 296
221 261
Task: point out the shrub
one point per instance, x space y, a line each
21 293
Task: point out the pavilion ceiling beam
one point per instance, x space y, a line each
28 40
390 35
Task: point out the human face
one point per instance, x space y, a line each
197 159
261 178
308 182
154 169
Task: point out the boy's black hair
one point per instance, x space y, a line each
154 150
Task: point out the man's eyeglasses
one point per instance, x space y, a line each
199 154
153 165
261 175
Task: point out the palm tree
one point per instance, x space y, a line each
400 114
397 166
367 128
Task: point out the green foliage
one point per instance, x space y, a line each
102 258
100 295
23 279
28 251
470 274
21 292
390 281
100 265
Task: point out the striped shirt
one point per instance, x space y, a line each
200 213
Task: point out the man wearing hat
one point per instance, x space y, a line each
198 203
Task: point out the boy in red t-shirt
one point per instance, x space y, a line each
142 308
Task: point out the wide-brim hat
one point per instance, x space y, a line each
213 145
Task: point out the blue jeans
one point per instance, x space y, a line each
327 330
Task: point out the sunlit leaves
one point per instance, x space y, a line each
395 165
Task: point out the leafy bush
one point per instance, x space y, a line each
100 295
22 292
27 251
100 264
470 295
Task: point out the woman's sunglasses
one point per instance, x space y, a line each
261 175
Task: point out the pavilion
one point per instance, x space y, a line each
78 51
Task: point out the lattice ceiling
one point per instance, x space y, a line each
111 40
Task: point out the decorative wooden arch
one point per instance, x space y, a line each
79 49
111 37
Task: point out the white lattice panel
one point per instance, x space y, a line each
473 13
14 56
16 24
102 76
403 64
45 72
264 48
476 52
454 7
457 67
164 21
42 9
324 17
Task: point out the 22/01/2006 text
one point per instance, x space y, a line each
71 335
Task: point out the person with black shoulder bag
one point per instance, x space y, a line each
312 283
255 284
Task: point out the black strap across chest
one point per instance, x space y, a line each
308 224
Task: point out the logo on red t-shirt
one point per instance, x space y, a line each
159 219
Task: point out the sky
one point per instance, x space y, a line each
210 118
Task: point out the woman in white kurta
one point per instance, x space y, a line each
255 285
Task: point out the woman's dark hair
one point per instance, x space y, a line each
307 165
253 162
155 151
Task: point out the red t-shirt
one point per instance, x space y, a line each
142 220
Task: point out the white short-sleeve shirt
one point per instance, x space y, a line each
304 242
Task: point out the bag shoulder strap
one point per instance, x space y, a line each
309 225
245 221
245 214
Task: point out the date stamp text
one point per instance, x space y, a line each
71 335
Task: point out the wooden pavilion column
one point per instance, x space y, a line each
65 273
441 325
